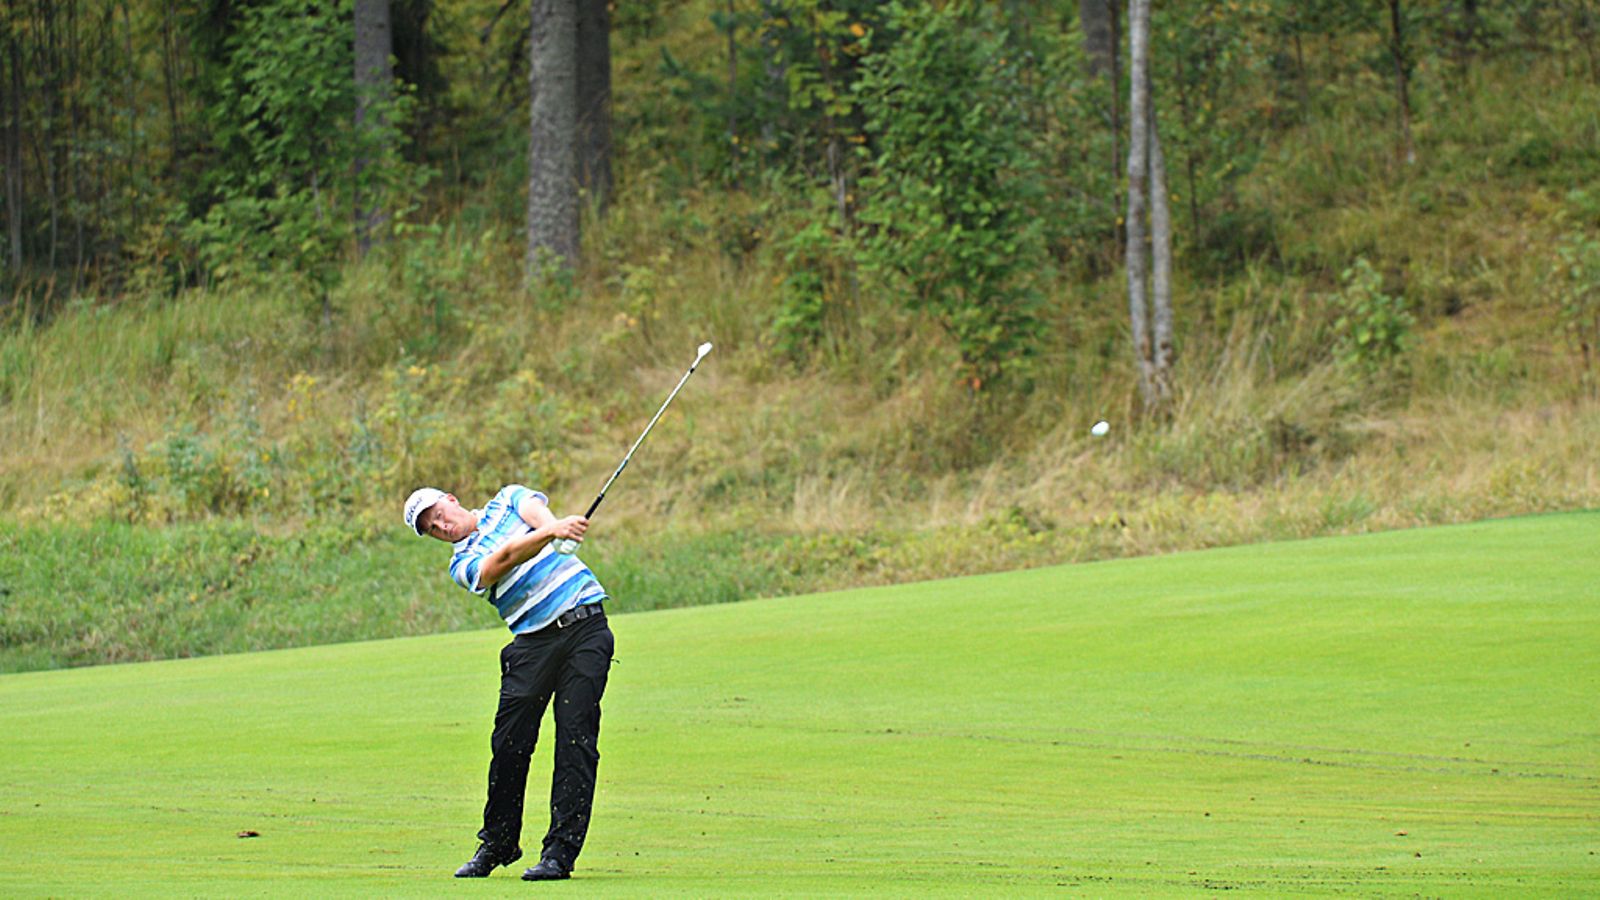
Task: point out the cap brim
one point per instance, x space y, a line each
418 520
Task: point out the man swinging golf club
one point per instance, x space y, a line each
520 554
561 649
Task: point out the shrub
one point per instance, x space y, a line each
1577 276
1373 329
950 195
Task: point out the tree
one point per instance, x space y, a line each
13 145
951 214
1098 20
1211 56
280 117
820 48
374 75
1149 304
552 137
280 197
1404 57
1466 32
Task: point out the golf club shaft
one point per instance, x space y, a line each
568 545
653 419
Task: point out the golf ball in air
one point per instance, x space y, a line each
1100 429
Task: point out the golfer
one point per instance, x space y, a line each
562 649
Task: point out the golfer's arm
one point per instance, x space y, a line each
536 512
514 553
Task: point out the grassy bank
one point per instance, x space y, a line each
75 594
1382 715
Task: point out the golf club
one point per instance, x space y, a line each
567 545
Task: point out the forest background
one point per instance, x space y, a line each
260 280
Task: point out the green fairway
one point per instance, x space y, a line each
1406 713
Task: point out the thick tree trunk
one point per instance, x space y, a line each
1098 21
552 136
374 77
594 100
1095 18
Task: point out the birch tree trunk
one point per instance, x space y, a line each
1138 175
552 137
1161 268
1149 267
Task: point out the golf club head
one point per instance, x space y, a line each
704 349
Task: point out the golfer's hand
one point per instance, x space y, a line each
570 528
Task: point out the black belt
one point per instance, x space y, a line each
578 613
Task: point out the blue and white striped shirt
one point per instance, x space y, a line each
532 595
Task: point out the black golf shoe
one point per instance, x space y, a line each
486 860
547 870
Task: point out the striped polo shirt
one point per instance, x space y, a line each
533 594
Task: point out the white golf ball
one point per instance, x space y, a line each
1100 428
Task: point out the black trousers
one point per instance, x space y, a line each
569 664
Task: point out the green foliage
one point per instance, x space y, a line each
792 106
1205 55
1081 160
433 274
820 47
815 263
950 208
797 326
418 432
817 43
291 167
186 475
16 361
1373 329
1577 284
640 288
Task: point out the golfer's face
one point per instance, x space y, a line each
444 520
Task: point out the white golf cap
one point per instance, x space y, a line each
419 501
